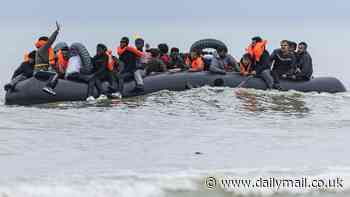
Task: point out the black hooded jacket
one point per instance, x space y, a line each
100 63
283 64
304 63
25 69
263 64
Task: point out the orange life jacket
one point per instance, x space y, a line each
62 63
244 70
257 51
41 43
51 56
111 62
133 50
196 64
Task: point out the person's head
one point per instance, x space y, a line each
101 49
256 39
222 51
174 52
124 42
302 47
246 59
292 46
139 43
73 52
185 55
43 38
163 48
66 52
154 52
195 53
285 46
41 42
31 57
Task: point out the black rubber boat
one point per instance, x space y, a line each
30 92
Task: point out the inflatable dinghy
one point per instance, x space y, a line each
30 92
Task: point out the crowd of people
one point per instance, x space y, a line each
291 61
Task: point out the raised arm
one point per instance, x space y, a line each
52 38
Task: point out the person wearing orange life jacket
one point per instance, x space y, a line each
62 58
105 66
58 66
246 65
261 64
195 61
45 56
131 70
24 71
45 59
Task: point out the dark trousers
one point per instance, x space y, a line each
53 80
11 86
112 78
96 80
130 76
17 79
267 77
81 78
276 76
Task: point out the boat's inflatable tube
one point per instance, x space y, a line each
85 57
208 44
30 91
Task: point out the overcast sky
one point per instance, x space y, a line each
80 10
323 24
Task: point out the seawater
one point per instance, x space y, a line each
168 144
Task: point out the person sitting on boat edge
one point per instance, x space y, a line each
129 56
73 73
195 61
261 61
283 62
45 59
304 69
62 58
59 67
155 65
24 71
61 63
246 65
223 62
176 61
105 67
